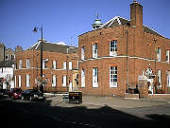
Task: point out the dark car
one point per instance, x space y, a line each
32 94
15 93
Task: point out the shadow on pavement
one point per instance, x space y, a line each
41 114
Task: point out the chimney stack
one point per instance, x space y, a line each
136 14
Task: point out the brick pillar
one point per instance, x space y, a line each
143 88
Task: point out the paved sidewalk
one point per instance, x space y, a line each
114 102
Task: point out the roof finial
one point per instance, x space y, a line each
134 1
97 16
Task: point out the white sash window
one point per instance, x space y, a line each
94 50
113 76
95 77
82 78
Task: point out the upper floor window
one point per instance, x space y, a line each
113 48
45 63
167 56
113 76
54 66
158 54
70 65
95 77
82 53
20 64
27 63
94 50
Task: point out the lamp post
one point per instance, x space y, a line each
155 40
36 29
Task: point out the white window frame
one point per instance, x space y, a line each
54 80
94 50
15 81
27 80
158 54
44 63
113 48
54 64
167 56
20 64
70 66
83 78
27 63
82 53
113 76
19 81
95 77
168 79
160 78
64 80
64 65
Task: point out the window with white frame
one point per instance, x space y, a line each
20 64
27 80
82 78
168 79
82 53
27 63
167 56
159 78
158 54
19 81
94 50
95 77
113 48
54 80
15 81
70 65
44 65
64 65
113 76
64 79
54 64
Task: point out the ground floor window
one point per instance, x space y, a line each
27 80
95 77
82 78
19 81
64 79
168 79
113 76
54 80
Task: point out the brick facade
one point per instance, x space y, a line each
48 72
136 51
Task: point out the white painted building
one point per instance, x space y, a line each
6 73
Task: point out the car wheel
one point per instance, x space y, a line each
22 97
31 98
13 97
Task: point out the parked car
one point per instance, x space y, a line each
15 93
32 94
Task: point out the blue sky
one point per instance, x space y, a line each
64 20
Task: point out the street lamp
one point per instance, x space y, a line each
36 29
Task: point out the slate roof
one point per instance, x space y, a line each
117 20
51 47
8 63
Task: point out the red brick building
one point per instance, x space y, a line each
59 64
115 54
